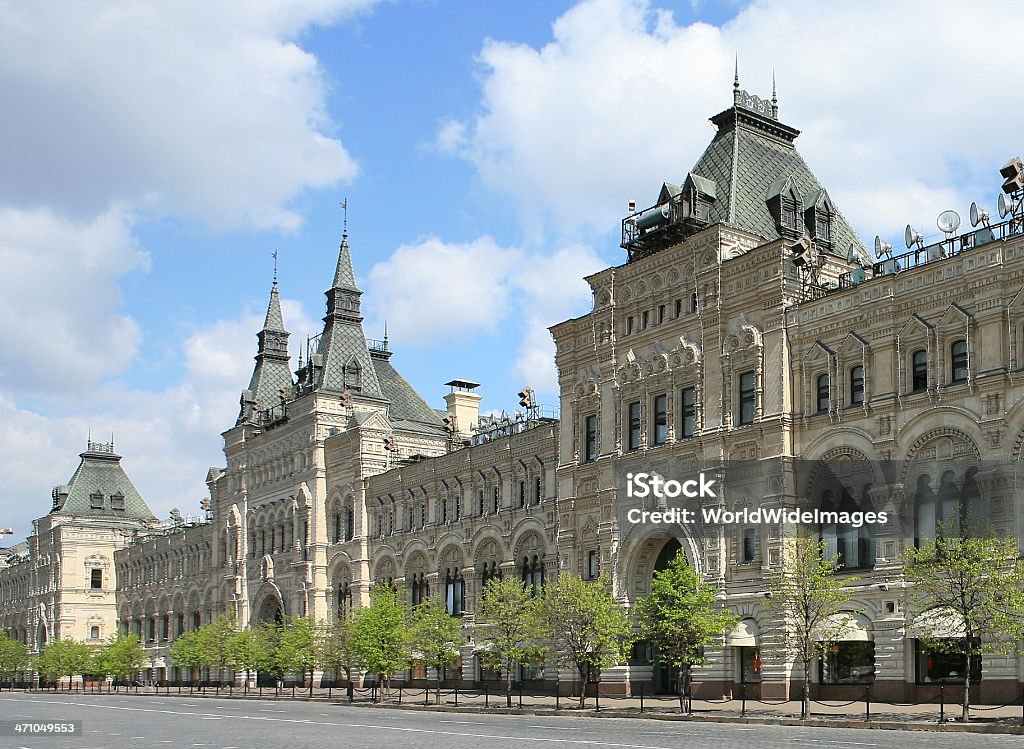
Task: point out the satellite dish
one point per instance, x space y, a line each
882 249
912 237
1005 206
948 222
978 215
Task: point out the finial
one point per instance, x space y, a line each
274 255
385 335
344 207
736 81
775 98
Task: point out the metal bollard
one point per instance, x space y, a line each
456 696
942 703
487 698
641 700
399 694
597 697
743 700
867 703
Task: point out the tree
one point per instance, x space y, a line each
245 651
584 626
186 651
121 657
977 583
336 648
507 628
435 635
806 600
212 641
379 631
296 647
65 657
682 616
13 657
269 636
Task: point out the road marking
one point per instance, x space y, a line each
535 739
466 722
556 728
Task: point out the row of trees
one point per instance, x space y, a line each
975 582
120 657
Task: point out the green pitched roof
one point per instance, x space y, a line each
100 487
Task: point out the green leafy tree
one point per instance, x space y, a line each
121 657
64 657
245 651
186 651
806 600
213 640
269 635
584 626
337 649
435 636
296 647
682 616
507 628
978 583
379 630
14 658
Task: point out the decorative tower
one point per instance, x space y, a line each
271 381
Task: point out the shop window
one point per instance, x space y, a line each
939 665
750 665
848 663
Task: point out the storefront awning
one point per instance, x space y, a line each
939 623
744 635
846 626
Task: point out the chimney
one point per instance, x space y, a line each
463 405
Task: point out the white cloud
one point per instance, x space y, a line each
61 323
168 438
206 111
903 106
432 291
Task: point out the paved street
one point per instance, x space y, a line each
116 722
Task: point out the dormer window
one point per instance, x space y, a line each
117 502
352 375
96 500
784 203
818 215
788 215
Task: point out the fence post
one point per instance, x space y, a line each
487 697
520 695
456 696
641 699
867 703
558 696
942 703
597 695
399 694
426 694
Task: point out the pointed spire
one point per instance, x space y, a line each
736 80
344 278
775 98
274 321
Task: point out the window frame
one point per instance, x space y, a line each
688 412
857 385
634 425
659 422
919 371
958 361
747 398
589 438
822 393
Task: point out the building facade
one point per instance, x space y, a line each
749 335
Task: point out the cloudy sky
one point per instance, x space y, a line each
153 155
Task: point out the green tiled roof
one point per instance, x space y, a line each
408 411
99 486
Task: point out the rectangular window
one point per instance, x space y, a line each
958 359
688 411
661 314
629 325
646 320
679 308
747 398
749 551
497 499
593 567
522 494
822 393
848 663
151 629
943 667
634 426
165 628
590 438
480 500
96 579
788 216
538 487
117 502
750 665
856 386
919 371
96 501
660 431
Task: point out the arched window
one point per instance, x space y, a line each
821 391
420 588
532 574
856 385
919 371
455 591
344 600
958 361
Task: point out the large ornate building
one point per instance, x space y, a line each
749 335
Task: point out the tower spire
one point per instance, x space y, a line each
736 80
274 255
775 98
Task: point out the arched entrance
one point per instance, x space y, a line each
268 611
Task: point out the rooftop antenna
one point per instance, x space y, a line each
344 207
882 248
274 255
912 237
978 215
385 335
736 81
948 222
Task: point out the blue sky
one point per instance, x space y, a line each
155 155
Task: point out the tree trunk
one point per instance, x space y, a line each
585 676
805 706
966 714
508 685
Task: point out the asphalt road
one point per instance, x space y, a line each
119 722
